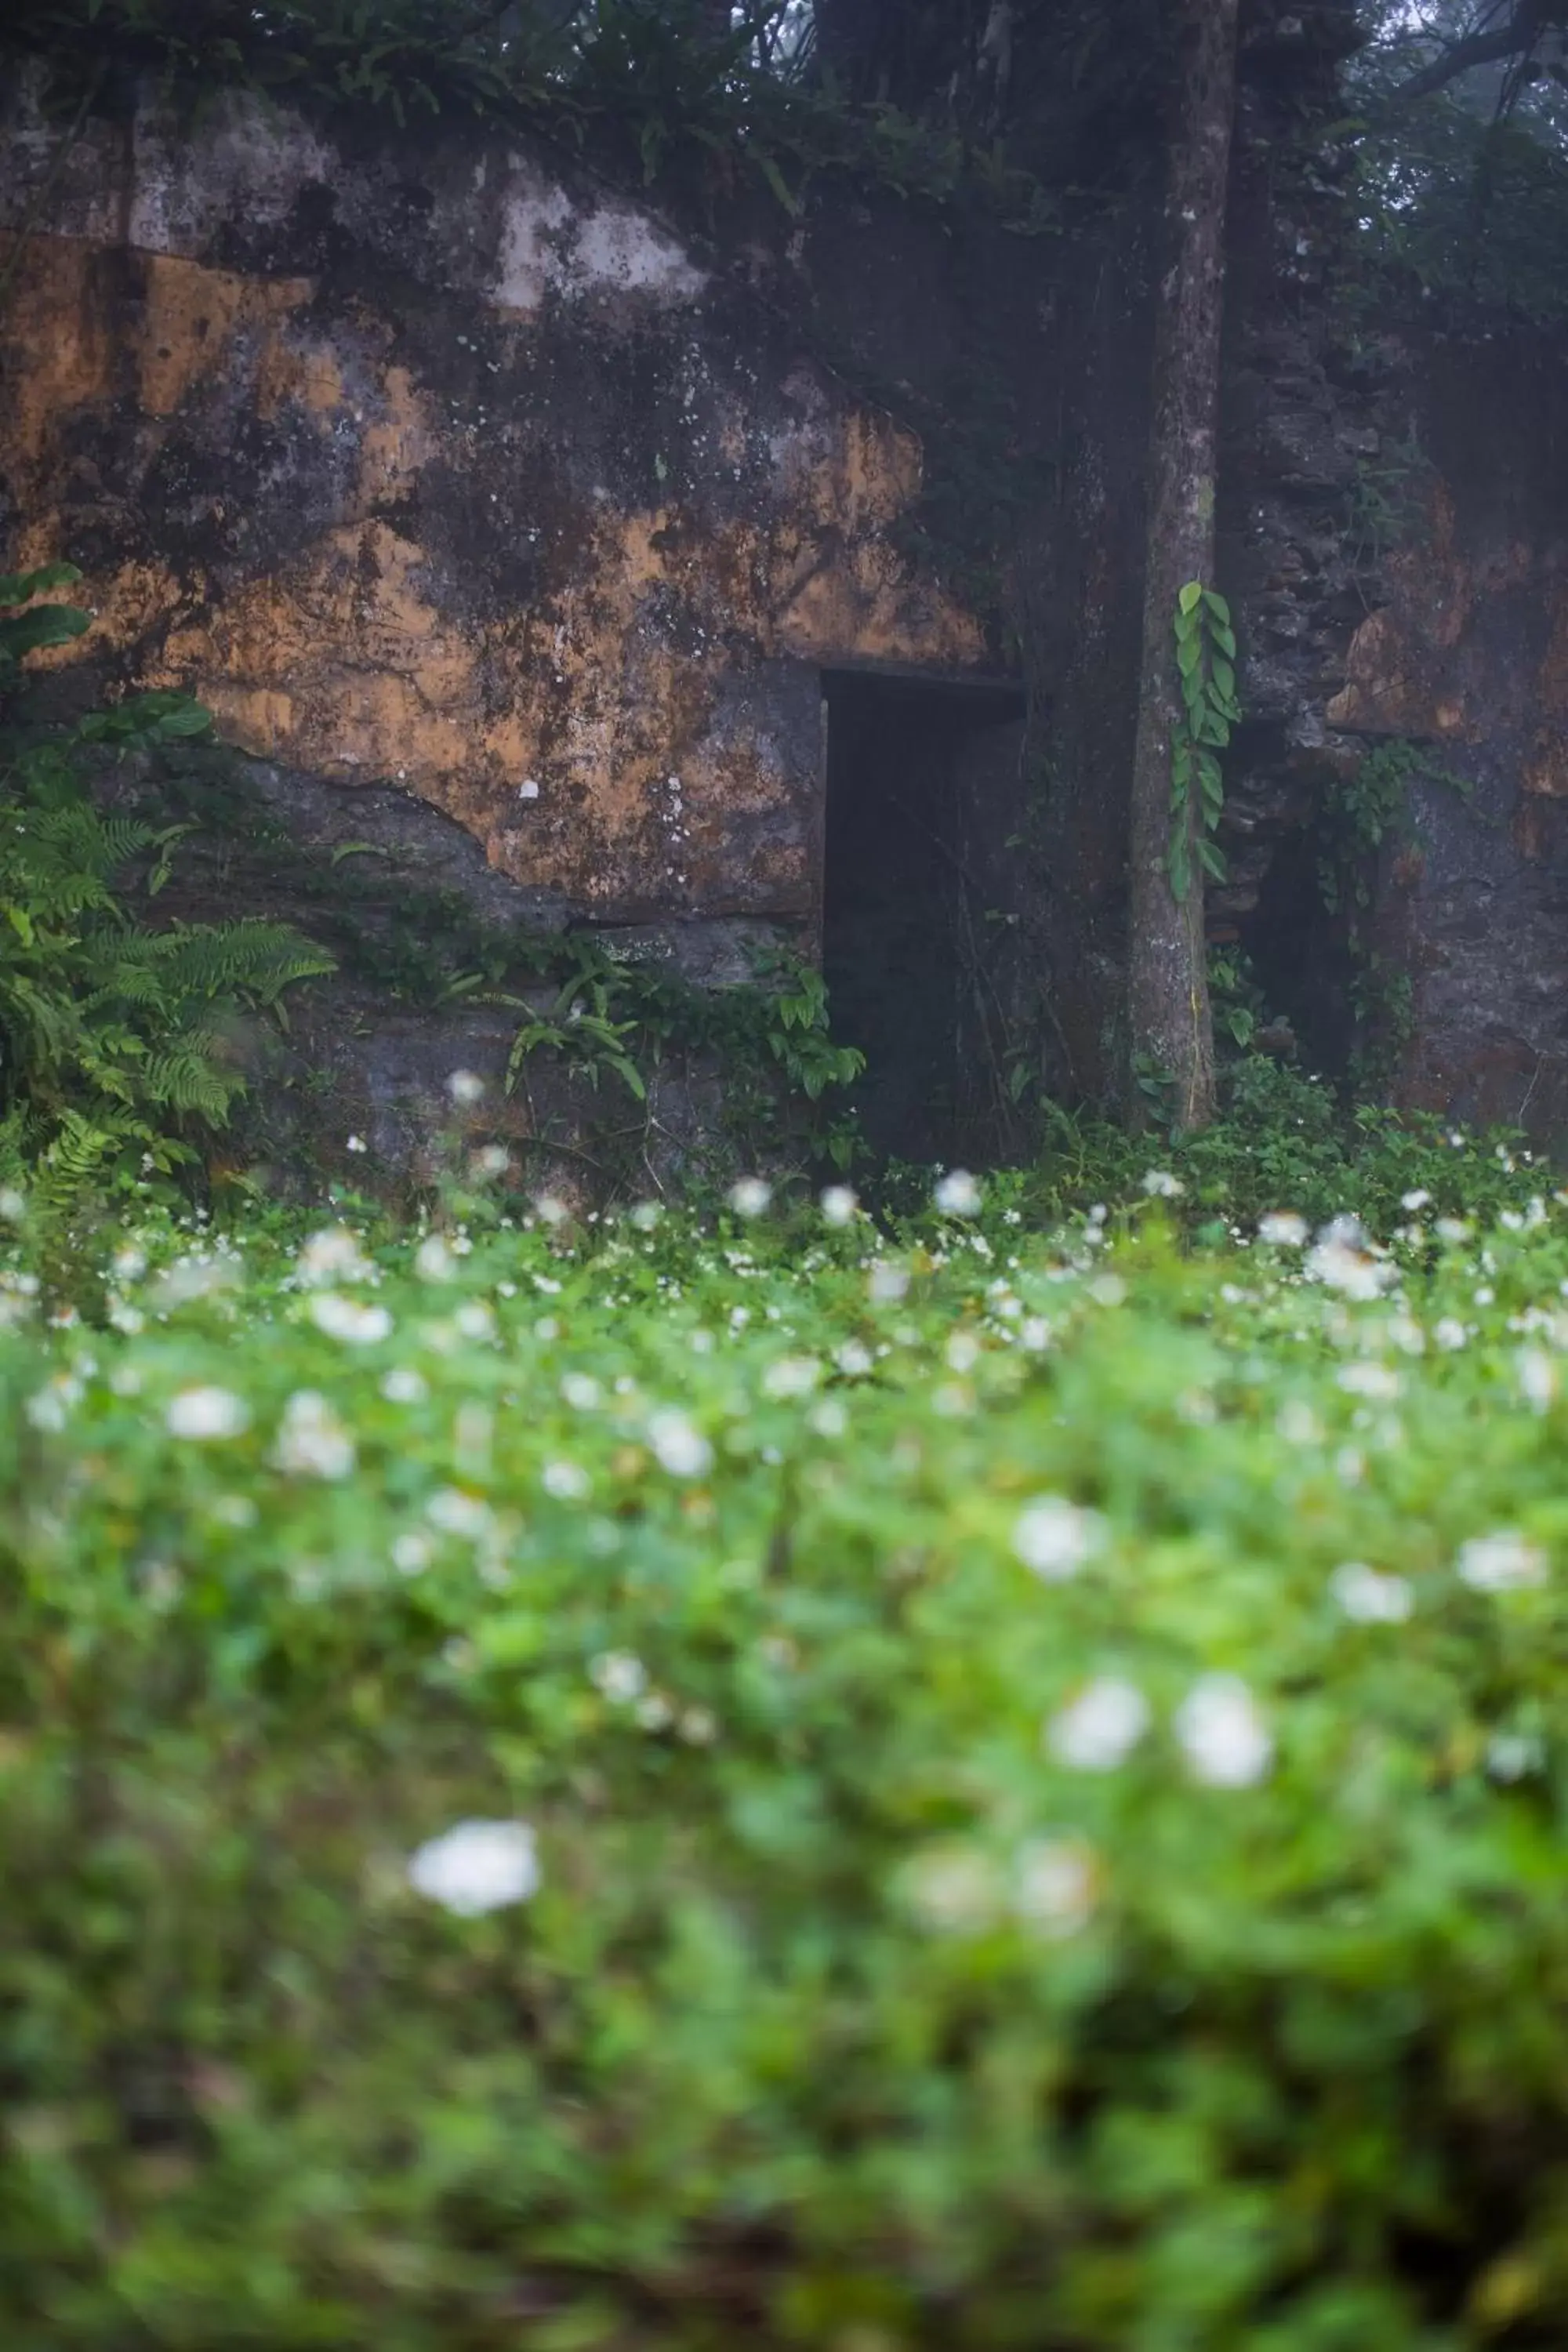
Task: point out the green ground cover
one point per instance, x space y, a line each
986 1778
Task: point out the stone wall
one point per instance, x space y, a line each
434 462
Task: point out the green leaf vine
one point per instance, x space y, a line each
1205 665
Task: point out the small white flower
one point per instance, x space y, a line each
1160 1185
828 1419
433 1260
1369 1597
403 1385
1537 1378
550 1210
331 1256
580 1391
356 1325
13 1205
750 1195
957 1194
567 1481
679 1446
655 1712
952 1890
475 1319
618 1675
854 1361
312 1439
208 1412
791 1376
1515 1755
698 1725
1055 1886
1419 1199
457 1513
492 1160
1100 1728
1449 1333
645 1215
887 1283
1056 1537
1500 1562
357 1143
962 1352
1224 1738
1283 1229
1370 1380
1341 1260
841 1206
411 1553
465 1088
478 1866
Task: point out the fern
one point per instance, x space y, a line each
113 1035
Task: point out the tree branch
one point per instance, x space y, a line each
1530 20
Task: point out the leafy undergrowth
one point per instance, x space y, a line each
1013 1782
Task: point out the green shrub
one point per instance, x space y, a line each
116 1039
926 1951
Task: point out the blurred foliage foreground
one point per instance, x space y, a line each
656 1783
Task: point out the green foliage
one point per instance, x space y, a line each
1369 807
115 1038
925 1951
1205 667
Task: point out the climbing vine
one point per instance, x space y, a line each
1205 664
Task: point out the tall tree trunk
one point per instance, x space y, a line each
1170 1024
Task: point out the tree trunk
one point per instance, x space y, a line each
1171 1029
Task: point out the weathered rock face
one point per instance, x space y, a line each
436 463
1466 657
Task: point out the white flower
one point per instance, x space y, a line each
621 1677
698 1725
411 1553
962 1352
1224 1738
347 1319
1370 1380
678 1446
828 1419
839 1205
887 1283
1500 1562
1513 1755
750 1195
357 1143
567 1481
465 1088
403 1385
580 1391
478 1866
550 1210
13 1204
1056 1885
433 1260
953 1889
1449 1333
1100 1728
1369 1597
475 1319
1055 1537
312 1439
1419 1199
459 1514
1537 1378
331 1256
791 1376
207 1413
957 1194
1283 1229
645 1215
1160 1185
854 1361
491 1160
1341 1260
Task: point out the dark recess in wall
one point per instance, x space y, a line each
901 897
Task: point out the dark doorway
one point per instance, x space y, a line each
922 878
